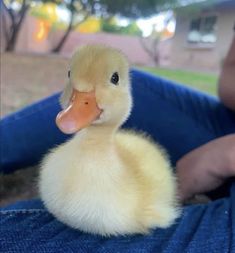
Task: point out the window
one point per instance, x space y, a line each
202 30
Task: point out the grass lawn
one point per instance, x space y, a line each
202 81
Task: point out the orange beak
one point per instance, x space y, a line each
80 113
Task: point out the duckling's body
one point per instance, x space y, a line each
108 181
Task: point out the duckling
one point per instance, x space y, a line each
105 180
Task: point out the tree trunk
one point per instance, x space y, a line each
151 50
59 46
66 35
4 22
11 39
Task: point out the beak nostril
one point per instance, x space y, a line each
86 103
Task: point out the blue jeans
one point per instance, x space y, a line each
178 118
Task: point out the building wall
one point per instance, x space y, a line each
130 45
26 41
184 55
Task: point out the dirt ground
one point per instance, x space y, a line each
26 78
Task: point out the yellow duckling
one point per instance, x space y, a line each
104 180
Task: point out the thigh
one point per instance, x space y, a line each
27 134
28 227
179 118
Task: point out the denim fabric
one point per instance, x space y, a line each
28 227
179 118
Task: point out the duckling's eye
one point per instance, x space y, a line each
115 78
69 74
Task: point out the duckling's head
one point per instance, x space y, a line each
98 90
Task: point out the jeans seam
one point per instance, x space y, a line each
22 211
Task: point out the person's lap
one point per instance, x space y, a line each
178 118
28 227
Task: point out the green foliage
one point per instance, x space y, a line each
38 14
58 26
111 26
131 29
126 8
137 8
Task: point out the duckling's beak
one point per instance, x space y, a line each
80 113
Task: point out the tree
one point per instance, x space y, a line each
136 8
79 11
45 11
15 16
131 29
150 46
108 8
151 43
91 25
110 25
75 7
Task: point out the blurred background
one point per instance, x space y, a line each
182 40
